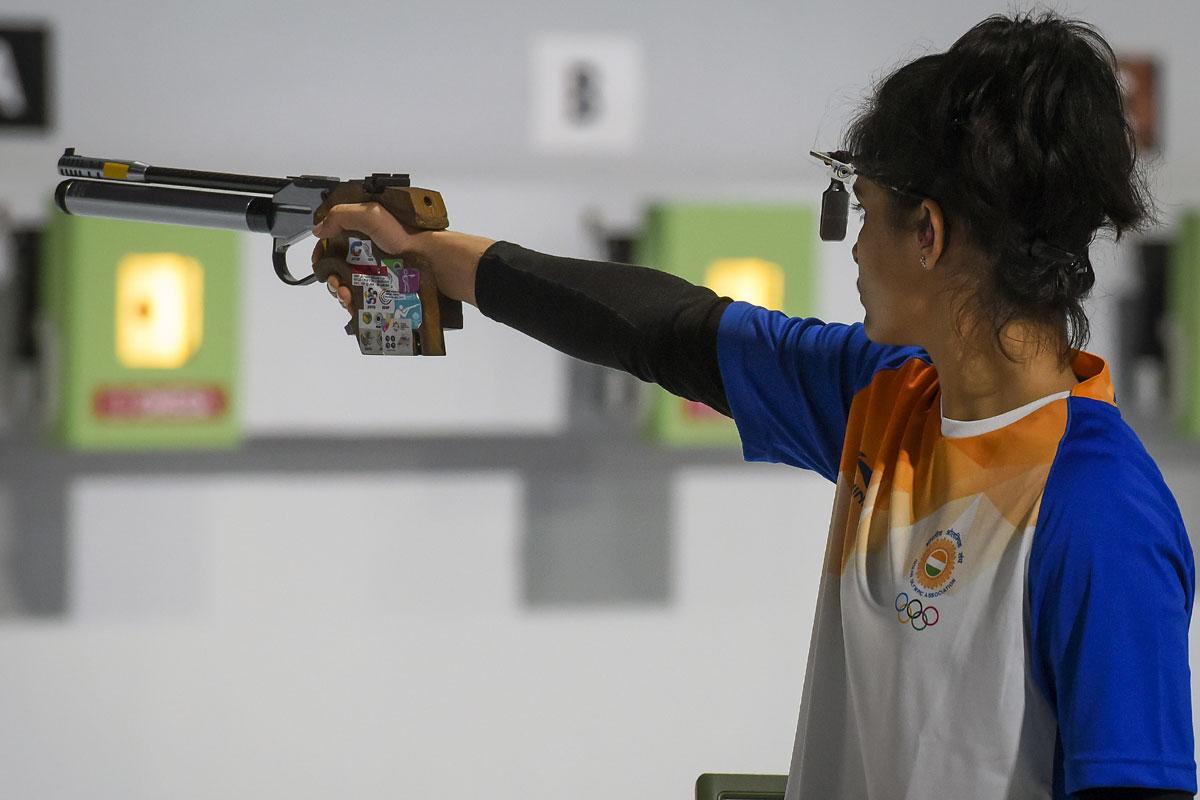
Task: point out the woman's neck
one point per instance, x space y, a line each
980 382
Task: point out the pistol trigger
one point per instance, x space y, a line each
279 259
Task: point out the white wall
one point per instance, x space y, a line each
219 647
287 636
733 91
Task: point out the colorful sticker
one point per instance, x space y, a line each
370 319
384 282
408 306
409 277
372 297
410 281
391 311
398 338
360 253
370 341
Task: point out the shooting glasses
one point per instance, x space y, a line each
835 201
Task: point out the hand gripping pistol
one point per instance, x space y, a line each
398 309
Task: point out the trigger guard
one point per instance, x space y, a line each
279 259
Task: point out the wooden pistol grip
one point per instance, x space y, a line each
433 340
333 262
418 208
415 208
425 210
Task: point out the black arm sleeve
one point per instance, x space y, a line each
649 323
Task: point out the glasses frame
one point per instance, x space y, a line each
835 201
839 170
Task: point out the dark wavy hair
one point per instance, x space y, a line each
1018 131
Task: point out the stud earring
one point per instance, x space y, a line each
924 262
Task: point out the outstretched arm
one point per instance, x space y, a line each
649 323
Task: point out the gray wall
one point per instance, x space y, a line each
317 615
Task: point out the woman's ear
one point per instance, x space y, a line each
931 233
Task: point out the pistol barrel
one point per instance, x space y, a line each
141 203
74 166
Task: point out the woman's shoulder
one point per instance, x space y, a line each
813 341
1104 482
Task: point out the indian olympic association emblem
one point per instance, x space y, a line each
932 573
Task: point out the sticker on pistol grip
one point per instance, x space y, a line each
409 279
360 277
389 319
408 306
373 297
370 341
371 319
398 338
360 253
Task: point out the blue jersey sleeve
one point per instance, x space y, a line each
1111 583
789 382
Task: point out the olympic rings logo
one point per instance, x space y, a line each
914 612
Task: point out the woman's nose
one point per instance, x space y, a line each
854 252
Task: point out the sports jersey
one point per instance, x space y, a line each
1004 604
